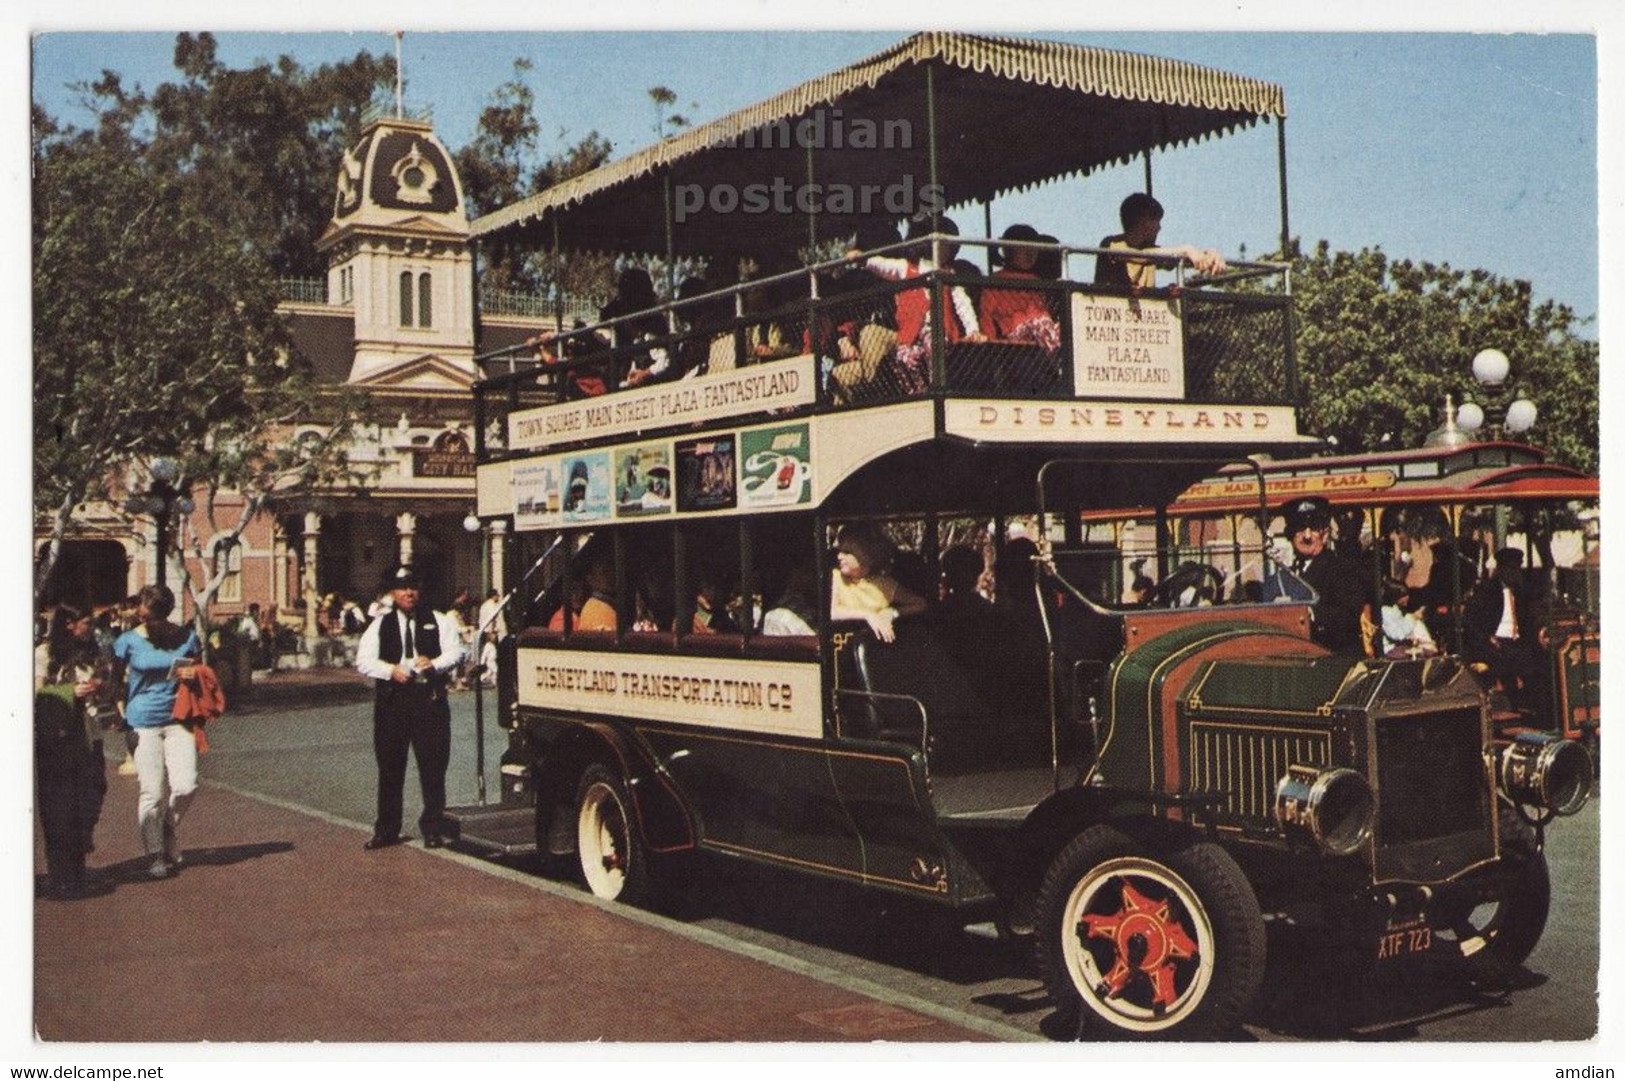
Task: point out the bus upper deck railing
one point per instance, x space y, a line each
1225 340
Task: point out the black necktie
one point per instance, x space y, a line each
406 651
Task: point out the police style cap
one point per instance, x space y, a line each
402 577
1310 512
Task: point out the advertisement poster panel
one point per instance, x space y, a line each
586 487
705 473
775 466
643 480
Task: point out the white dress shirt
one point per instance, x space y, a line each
366 654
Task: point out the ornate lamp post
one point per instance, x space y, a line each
471 525
1502 417
161 500
1499 417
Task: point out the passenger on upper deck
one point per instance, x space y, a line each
764 339
635 292
708 348
914 305
587 381
1019 315
1142 221
855 335
859 586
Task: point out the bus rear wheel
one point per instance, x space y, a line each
613 862
1148 942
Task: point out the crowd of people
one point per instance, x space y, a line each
863 330
125 683
343 622
79 666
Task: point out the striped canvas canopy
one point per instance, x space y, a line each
1010 113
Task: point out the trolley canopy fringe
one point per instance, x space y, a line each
1009 114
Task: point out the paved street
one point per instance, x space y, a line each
308 938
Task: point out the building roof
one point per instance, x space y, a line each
327 340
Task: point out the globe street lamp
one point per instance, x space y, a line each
1498 416
161 500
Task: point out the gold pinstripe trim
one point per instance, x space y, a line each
1247 761
828 751
862 876
863 845
1173 658
1258 728
1322 710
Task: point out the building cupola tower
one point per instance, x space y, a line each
399 256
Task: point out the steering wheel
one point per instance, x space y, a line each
1188 576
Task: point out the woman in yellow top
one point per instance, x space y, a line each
859 587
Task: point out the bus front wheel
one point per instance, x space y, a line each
1494 935
613 861
1148 942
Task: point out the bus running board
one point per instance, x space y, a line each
498 829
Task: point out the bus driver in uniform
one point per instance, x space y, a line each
410 653
1338 581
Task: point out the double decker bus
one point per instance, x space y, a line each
1135 789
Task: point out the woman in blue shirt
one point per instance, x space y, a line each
157 655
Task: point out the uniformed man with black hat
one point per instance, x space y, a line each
1337 581
410 653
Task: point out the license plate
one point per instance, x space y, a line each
1404 940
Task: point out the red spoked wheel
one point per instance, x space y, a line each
1147 950
1149 944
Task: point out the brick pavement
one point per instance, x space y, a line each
281 929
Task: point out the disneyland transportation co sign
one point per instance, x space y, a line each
766 697
780 385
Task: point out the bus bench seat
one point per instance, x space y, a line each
916 666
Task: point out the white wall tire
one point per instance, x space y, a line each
1141 943
613 863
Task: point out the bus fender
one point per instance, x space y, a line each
663 819
1070 811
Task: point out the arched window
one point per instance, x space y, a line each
425 309
406 298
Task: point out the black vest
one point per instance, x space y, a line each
425 635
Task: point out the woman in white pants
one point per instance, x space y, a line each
157 655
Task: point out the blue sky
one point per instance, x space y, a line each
1472 149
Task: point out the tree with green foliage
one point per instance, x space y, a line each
262 142
1382 341
156 334
501 166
